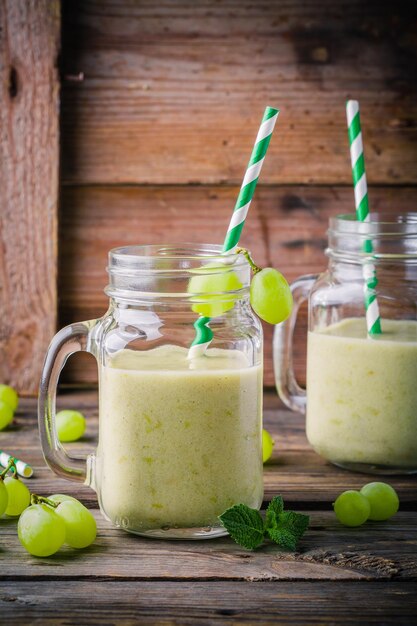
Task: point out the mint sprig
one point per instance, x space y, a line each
248 528
245 525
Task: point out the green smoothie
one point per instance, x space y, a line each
179 441
362 393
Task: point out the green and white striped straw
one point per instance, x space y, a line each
373 320
204 334
22 468
250 179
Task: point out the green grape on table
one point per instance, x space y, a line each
9 396
6 414
270 296
70 425
80 525
352 508
383 500
18 494
267 445
40 530
61 497
4 497
210 286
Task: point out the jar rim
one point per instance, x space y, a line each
387 236
173 258
165 271
386 223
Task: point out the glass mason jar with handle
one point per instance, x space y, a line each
179 438
361 400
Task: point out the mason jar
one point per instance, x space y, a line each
180 430
361 398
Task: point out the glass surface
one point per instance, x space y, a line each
361 401
179 438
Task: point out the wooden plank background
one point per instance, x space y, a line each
173 91
156 136
29 149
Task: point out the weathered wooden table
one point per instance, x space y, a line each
365 575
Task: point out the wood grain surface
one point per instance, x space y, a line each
173 92
286 228
29 44
200 603
122 578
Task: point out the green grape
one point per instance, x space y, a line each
383 500
70 425
270 296
40 530
80 525
61 497
4 497
267 445
212 287
6 414
9 396
19 496
352 508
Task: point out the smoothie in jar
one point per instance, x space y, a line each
179 441
362 393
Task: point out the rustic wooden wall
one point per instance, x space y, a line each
29 148
156 137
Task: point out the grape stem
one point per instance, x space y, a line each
35 499
10 465
255 268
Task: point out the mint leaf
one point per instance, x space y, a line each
276 505
244 525
287 528
247 528
274 510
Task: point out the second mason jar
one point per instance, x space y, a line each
361 388
179 432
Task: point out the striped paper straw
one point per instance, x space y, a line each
373 320
250 179
204 334
23 469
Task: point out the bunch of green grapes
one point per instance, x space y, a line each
14 495
375 501
45 524
8 405
49 523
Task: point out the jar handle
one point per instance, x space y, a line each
289 390
72 338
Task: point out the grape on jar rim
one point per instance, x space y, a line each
9 396
209 286
383 500
267 445
18 496
352 508
40 530
70 425
270 296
